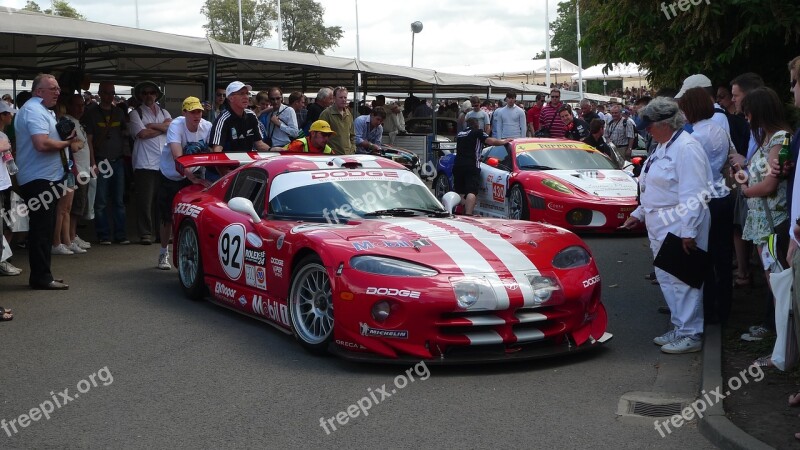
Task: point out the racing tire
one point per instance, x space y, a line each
518 204
311 305
190 263
441 186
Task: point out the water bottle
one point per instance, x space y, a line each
11 165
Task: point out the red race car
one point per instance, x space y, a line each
555 181
289 239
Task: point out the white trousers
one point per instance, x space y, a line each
685 302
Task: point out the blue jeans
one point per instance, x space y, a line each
110 189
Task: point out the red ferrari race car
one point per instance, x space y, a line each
354 255
555 181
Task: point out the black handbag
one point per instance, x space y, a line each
544 132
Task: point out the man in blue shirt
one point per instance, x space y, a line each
369 130
42 159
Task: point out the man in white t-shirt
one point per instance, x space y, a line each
186 135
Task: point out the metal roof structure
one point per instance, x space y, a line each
31 43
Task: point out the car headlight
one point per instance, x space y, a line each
380 265
473 293
556 186
571 257
543 287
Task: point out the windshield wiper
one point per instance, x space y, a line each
407 212
536 167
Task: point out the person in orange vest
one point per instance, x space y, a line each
316 141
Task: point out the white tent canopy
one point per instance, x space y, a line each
617 72
525 66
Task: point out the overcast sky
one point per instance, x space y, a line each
455 33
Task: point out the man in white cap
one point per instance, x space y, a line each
237 129
700 80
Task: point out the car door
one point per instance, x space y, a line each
494 181
238 254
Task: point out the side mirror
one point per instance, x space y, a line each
450 201
494 162
244 206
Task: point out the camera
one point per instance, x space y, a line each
65 127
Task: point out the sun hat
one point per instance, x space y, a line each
137 90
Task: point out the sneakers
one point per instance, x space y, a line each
666 338
105 241
123 242
163 262
75 248
8 269
81 243
684 344
145 240
61 249
756 333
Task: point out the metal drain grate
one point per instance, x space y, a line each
653 410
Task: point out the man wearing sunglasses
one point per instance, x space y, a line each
548 118
148 125
280 121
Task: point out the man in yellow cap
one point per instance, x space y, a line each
186 135
317 140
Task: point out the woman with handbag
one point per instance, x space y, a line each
766 195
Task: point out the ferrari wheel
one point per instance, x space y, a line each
518 204
311 305
190 264
441 186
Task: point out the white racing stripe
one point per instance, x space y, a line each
468 259
516 261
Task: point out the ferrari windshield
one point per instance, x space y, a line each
345 194
560 159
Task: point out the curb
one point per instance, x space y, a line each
715 425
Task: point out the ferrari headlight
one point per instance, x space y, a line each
571 257
380 265
556 186
473 293
543 287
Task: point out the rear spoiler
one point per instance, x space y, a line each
220 159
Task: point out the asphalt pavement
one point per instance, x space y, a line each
124 360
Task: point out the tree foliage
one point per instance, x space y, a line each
60 8
720 38
223 20
564 43
303 28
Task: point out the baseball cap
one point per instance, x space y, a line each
648 120
6 108
237 86
192 104
321 125
693 81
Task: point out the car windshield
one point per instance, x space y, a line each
334 196
563 159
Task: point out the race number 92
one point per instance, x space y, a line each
231 250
